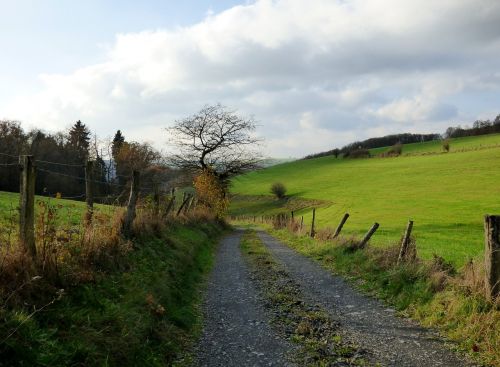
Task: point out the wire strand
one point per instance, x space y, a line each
60 164
79 178
9 155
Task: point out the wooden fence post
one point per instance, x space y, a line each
368 235
405 242
132 201
169 206
156 199
190 203
313 233
184 202
341 224
301 222
492 255
89 192
27 204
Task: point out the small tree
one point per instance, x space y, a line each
278 190
446 145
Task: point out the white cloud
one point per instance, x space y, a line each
332 70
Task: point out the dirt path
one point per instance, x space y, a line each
236 331
392 340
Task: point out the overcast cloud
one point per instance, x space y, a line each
316 74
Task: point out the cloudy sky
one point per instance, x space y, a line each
316 74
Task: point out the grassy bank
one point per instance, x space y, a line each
429 291
446 194
142 311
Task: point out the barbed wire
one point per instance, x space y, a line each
78 178
9 164
60 164
9 155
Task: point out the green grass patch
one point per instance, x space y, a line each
144 314
71 212
428 291
447 195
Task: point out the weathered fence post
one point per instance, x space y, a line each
132 201
27 204
301 222
184 202
156 199
368 235
190 203
169 206
313 233
89 192
405 242
492 255
341 224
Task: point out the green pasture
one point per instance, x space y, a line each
447 195
68 212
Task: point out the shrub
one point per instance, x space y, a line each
446 145
211 193
278 190
358 153
395 150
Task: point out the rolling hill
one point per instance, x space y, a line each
446 194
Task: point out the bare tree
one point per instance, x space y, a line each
215 138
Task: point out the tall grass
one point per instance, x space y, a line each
93 297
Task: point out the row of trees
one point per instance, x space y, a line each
479 127
384 141
215 142
61 157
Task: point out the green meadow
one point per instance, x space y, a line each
69 212
445 194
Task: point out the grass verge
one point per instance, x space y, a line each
429 291
143 313
309 327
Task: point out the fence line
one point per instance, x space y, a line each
407 248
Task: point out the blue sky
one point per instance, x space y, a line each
316 74
58 36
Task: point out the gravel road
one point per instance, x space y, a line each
393 340
236 330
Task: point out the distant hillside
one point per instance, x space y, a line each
479 127
268 162
444 193
379 142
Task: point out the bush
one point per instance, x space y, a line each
446 145
211 193
278 190
358 153
395 150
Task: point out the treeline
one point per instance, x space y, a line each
60 160
379 142
479 127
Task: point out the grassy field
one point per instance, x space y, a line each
70 212
447 195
